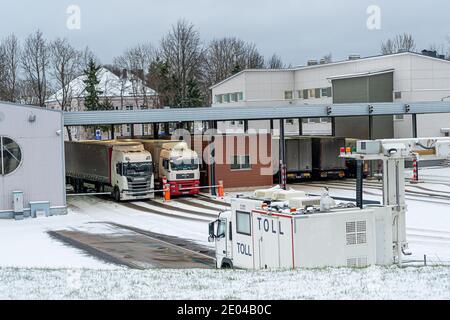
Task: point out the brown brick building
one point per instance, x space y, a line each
241 160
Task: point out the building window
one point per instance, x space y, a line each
288 95
300 94
234 97
144 107
10 155
305 94
241 96
128 128
317 93
240 162
226 98
129 108
325 92
243 225
398 95
219 98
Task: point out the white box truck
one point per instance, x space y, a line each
124 167
260 233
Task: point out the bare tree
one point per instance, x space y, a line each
35 61
66 66
226 56
135 63
181 49
10 53
400 43
275 62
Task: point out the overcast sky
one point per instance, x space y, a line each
297 30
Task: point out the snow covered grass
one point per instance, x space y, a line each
369 283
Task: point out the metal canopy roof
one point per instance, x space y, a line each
250 113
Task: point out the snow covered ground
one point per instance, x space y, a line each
33 265
368 283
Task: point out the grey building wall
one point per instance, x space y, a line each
374 88
41 175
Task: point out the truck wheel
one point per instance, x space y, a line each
116 194
227 264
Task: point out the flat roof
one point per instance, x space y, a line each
251 113
331 64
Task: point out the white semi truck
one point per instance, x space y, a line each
176 162
286 229
124 167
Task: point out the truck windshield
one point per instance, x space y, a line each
137 169
185 164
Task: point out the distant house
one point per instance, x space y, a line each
123 93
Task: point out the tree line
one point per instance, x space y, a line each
180 68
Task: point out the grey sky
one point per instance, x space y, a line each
297 30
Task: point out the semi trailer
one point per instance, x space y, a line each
326 159
123 167
175 164
298 157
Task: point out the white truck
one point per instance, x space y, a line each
290 231
124 167
176 162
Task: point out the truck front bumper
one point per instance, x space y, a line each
189 187
132 195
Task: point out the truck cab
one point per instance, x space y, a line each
180 166
131 173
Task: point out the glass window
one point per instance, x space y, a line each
305 94
317 93
300 94
137 169
10 155
234 97
324 92
290 121
241 96
240 162
221 228
219 98
398 95
288 95
226 98
184 165
243 223
129 107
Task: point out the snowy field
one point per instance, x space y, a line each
368 283
35 266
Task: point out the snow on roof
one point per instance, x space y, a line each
110 85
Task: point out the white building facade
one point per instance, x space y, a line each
403 77
32 174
